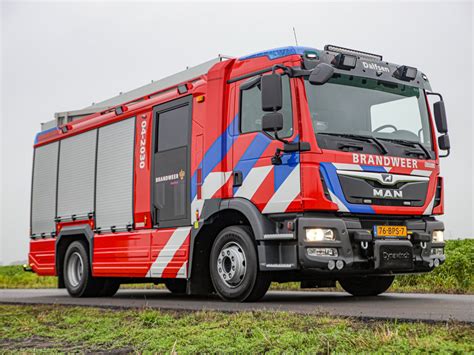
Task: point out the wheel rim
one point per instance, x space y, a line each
231 264
75 269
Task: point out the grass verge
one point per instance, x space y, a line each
456 275
74 329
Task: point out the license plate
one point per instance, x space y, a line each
390 231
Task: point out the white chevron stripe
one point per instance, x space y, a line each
253 181
343 166
183 272
421 172
341 206
429 208
166 254
285 194
213 182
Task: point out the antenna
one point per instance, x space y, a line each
296 38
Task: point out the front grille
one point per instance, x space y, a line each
360 190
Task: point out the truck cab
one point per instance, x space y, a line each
292 164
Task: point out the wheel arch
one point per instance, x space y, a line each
217 215
66 236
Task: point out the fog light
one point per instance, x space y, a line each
331 264
438 236
322 251
437 251
339 264
319 234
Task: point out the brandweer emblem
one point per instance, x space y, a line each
368 159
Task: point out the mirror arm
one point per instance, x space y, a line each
284 141
435 94
285 69
445 155
297 73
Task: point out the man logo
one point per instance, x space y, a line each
382 193
387 178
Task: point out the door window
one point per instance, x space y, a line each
171 163
251 112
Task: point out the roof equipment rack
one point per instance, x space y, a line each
135 95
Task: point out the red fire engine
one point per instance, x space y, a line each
292 164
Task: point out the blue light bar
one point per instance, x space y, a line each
280 52
44 132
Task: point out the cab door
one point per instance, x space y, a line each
272 188
171 163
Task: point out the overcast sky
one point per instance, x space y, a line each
64 56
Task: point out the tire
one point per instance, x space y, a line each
176 286
78 274
110 288
366 285
233 266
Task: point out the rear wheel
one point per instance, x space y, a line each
366 285
234 266
176 286
78 273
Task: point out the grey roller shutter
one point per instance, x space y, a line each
76 175
43 202
114 189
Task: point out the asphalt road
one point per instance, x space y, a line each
425 307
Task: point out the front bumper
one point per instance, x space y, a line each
358 251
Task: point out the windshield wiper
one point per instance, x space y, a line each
363 138
410 144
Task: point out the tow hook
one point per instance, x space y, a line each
423 245
364 245
27 268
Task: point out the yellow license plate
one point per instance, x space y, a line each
390 231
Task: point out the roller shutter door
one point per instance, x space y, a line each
114 189
43 199
76 175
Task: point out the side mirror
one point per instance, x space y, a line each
272 93
321 74
440 117
443 142
272 122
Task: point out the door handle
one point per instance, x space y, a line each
238 178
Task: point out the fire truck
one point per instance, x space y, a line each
291 164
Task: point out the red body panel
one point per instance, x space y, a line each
42 257
122 254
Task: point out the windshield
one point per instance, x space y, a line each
368 107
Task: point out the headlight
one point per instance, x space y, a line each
438 237
319 234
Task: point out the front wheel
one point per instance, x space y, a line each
234 266
366 285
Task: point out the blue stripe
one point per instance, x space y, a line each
289 162
332 180
214 155
374 169
251 155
